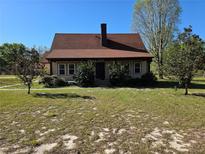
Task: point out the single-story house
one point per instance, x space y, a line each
68 50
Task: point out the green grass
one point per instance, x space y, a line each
13 82
81 111
7 76
9 80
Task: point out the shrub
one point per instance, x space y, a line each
52 81
148 79
85 75
47 81
118 74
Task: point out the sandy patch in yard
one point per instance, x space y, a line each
166 123
109 151
106 129
101 136
47 132
114 130
41 139
43 128
111 139
94 108
25 150
14 123
44 147
130 115
106 133
69 141
22 131
1 152
175 141
120 131
55 120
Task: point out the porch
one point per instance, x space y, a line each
69 69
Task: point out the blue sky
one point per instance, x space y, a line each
34 22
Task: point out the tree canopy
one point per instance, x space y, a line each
156 22
185 56
8 56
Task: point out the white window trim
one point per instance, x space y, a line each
140 67
59 69
69 68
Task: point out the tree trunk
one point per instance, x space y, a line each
29 89
186 89
160 70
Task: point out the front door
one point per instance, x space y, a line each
100 70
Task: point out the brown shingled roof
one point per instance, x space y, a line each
90 46
96 53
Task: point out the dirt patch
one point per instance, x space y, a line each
101 136
1 152
69 141
167 138
120 131
47 132
165 123
109 151
24 150
44 147
178 144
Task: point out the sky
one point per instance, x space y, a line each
35 22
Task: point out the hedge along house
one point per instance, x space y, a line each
69 50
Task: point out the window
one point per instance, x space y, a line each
71 69
61 69
137 67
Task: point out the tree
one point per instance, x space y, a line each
8 56
28 66
2 64
184 57
156 21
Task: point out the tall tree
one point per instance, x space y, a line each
156 21
28 66
184 57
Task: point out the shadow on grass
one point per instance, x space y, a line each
159 84
199 80
173 84
61 95
199 94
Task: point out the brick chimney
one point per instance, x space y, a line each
103 34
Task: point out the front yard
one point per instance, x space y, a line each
103 120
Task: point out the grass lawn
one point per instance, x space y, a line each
6 80
103 120
13 82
